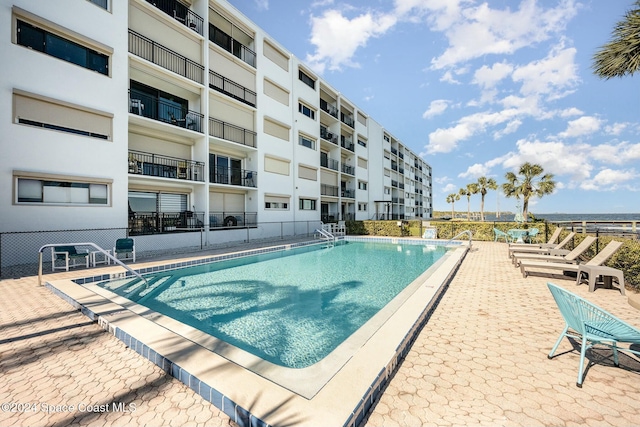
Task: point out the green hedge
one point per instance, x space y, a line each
627 258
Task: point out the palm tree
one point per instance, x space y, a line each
530 183
451 198
485 184
621 56
471 189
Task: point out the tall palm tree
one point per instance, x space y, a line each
485 184
451 198
468 191
530 183
621 56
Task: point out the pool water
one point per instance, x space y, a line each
291 308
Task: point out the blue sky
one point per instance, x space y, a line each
480 87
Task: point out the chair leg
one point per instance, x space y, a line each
615 354
555 347
583 352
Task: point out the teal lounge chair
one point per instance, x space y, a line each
125 247
591 325
70 257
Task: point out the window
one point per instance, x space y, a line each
61 192
386 138
61 48
362 185
276 202
102 3
278 166
305 141
307 111
304 78
307 204
387 190
362 143
362 206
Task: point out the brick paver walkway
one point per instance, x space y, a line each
481 360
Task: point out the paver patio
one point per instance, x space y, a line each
480 360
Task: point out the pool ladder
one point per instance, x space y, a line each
326 235
468 232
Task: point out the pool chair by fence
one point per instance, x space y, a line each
557 255
69 256
126 247
541 249
498 234
591 325
551 243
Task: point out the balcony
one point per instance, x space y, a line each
347 143
401 171
152 107
346 119
180 13
348 169
326 135
401 155
328 190
232 89
394 166
349 192
401 185
330 163
328 108
149 164
394 151
233 176
233 133
394 183
141 223
166 58
226 42
233 219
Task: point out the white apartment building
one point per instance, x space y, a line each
175 121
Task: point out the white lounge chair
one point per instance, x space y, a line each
569 257
543 250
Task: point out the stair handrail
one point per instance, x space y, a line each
460 234
326 234
93 245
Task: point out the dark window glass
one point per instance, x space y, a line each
30 36
306 79
66 50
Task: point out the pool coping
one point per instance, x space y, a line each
250 399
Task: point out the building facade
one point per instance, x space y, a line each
159 117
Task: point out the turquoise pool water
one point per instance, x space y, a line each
292 307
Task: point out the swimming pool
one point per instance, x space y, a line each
291 307
337 390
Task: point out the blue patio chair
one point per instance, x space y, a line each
591 325
501 235
125 247
532 236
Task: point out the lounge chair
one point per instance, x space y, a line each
498 234
557 255
535 249
70 256
527 265
125 247
591 325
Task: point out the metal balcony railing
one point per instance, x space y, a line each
326 135
223 130
228 43
232 89
166 58
349 192
348 169
233 176
152 107
328 108
346 119
141 223
394 151
149 164
328 190
394 183
233 219
347 143
180 13
330 163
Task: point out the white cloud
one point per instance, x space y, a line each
449 188
616 128
510 128
337 37
488 77
448 78
570 112
585 125
475 171
262 4
435 108
609 179
476 31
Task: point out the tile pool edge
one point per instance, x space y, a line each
251 400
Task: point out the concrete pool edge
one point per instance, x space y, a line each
252 400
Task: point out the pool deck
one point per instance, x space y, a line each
480 360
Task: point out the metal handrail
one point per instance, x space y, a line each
93 245
460 234
325 234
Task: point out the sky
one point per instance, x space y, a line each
477 88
